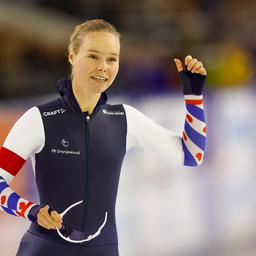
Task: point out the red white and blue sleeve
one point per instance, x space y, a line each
188 149
194 134
24 140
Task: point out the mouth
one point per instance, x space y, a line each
99 78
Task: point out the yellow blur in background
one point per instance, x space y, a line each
162 209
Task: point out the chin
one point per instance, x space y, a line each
103 88
99 90
96 88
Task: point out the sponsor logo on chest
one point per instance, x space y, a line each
54 112
65 150
114 113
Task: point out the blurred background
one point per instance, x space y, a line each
162 209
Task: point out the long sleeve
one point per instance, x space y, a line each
25 139
185 150
194 134
144 132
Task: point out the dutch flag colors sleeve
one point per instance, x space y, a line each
194 134
25 138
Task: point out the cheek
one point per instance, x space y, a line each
80 67
114 70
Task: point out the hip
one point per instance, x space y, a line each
34 245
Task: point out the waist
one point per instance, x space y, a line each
106 237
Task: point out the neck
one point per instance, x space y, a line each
86 100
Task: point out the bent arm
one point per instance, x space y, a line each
185 150
25 138
144 132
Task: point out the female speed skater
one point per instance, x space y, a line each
77 144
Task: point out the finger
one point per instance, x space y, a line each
198 69
52 222
202 71
191 64
48 222
44 217
188 59
57 217
179 65
47 217
198 65
44 223
53 215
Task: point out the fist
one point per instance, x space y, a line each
48 220
192 76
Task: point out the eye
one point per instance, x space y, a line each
93 56
112 59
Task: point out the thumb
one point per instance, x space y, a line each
56 216
179 65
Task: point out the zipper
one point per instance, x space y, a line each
88 119
86 196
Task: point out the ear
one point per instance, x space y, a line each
71 58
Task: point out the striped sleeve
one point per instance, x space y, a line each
25 138
12 203
185 150
194 134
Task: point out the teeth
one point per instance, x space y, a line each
100 78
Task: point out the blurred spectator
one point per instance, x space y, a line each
153 32
230 66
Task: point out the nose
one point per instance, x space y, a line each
102 66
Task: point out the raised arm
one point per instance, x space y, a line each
187 149
193 78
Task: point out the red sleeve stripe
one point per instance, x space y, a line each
194 102
10 162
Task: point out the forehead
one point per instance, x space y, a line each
104 42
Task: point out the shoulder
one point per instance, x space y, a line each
129 108
50 106
113 106
132 111
30 119
31 115
115 109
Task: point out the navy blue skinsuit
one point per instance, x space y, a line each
81 160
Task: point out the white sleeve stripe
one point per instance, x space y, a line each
7 176
196 124
193 148
14 212
200 106
6 192
193 97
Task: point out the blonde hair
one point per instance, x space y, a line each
96 25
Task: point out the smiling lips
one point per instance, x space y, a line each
99 78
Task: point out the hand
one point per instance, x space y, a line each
192 64
193 77
49 221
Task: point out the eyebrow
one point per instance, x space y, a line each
92 50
